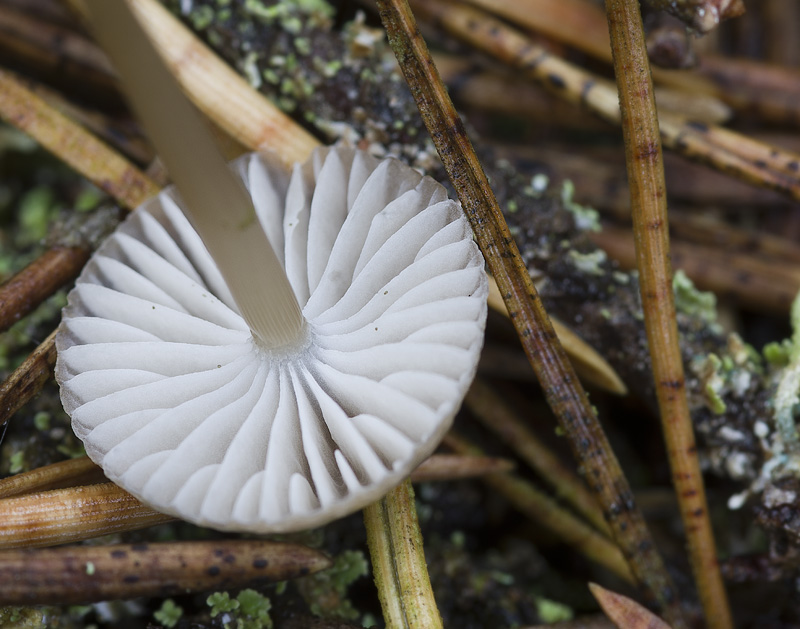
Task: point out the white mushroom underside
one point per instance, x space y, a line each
181 407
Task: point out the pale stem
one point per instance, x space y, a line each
214 199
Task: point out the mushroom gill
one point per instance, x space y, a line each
189 410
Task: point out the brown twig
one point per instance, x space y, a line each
57 53
649 205
70 515
699 142
72 144
80 471
546 512
495 414
27 379
559 382
85 574
752 282
444 467
36 282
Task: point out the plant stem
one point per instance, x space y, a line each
37 281
27 379
649 208
561 386
700 143
217 203
398 562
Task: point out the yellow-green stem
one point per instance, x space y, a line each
649 208
398 562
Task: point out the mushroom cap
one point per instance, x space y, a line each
175 399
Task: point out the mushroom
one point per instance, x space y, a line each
188 407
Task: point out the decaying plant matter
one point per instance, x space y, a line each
335 74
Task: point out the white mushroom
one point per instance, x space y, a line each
191 410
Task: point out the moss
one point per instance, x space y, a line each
551 611
249 610
169 614
326 591
21 617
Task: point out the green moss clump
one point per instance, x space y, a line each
169 614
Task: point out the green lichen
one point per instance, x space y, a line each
731 375
551 611
589 263
693 302
777 354
17 462
169 614
786 395
586 218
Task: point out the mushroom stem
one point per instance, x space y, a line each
217 203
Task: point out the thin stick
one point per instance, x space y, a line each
85 574
581 87
398 560
561 386
27 379
78 471
649 205
217 203
498 416
59 53
70 515
751 281
72 144
36 282
547 513
444 467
